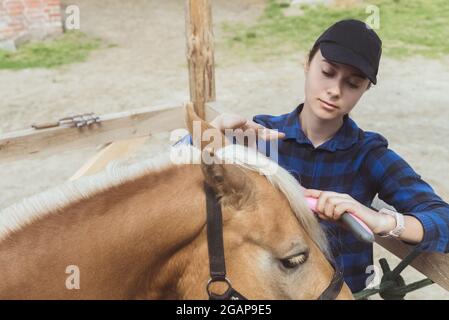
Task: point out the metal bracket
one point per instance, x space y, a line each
392 285
78 121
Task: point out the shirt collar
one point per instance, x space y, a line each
346 136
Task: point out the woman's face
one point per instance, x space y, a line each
332 89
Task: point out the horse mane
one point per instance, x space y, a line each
29 210
36 207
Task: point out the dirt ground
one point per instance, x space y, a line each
409 106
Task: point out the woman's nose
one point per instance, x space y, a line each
334 90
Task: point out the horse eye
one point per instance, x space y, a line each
294 261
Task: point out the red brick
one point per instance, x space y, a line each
33 4
15 13
14 6
15 23
52 2
33 10
34 15
7 30
29 14
14 9
17 30
54 10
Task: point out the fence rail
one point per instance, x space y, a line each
112 127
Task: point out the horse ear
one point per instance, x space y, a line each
230 182
202 132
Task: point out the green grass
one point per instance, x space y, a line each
71 47
407 28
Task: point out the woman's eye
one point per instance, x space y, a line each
354 86
327 74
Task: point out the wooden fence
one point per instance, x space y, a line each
122 133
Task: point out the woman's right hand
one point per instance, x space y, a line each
234 121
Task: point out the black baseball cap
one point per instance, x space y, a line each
354 43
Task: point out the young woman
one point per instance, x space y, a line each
344 166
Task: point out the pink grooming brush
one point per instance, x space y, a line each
357 226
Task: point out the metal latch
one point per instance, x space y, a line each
78 121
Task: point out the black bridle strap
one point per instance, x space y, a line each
334 288
215 236
215 248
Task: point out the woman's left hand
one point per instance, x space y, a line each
331 205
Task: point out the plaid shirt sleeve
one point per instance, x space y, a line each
400 186
187 139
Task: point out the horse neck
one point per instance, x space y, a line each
123 234
177 211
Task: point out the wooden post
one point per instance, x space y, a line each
200 53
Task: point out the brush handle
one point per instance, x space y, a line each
357 226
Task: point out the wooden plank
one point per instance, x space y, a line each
200 53
113 151
434 265
117 126
123 148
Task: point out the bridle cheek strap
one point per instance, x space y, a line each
216 248
333 289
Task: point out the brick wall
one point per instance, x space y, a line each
23 20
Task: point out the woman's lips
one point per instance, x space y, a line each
328 105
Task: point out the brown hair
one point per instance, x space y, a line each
312 52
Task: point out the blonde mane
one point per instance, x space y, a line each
36 207
284 182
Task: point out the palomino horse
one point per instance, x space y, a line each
139 232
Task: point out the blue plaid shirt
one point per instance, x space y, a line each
360 164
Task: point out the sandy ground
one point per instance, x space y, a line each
409 106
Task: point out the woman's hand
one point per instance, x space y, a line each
331 205
234 121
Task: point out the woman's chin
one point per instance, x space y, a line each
325 115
